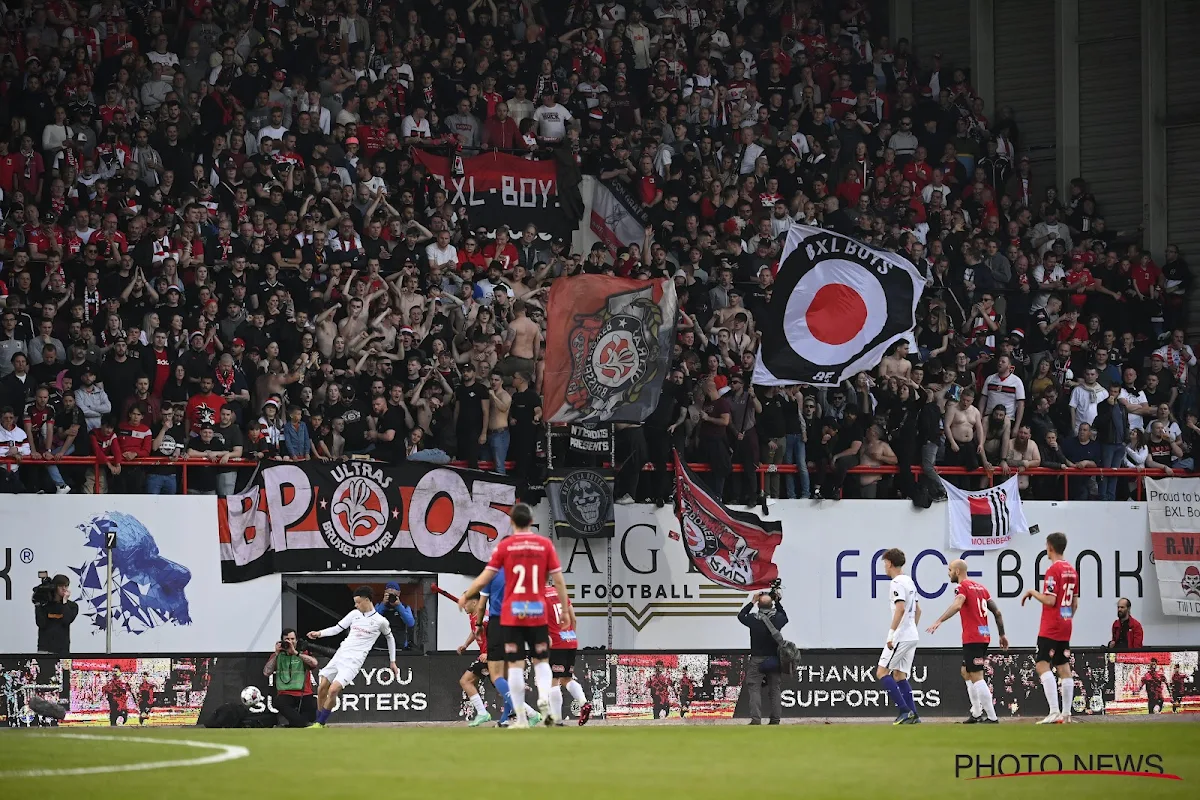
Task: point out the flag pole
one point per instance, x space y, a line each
612 444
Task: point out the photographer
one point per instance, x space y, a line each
54 611
292 668
399 615
764 651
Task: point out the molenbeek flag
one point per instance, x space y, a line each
1174 508
837 308
608 347
731 548
985 520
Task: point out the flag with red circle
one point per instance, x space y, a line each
837 307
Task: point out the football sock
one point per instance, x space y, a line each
477 704
889 683
501 685
516 687
543 678
975 706
983 696
1068 694
530 709
323 715
906 693
556 702
1050 687
576 690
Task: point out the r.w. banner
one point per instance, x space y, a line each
313 516
1174 508
985 520
500 189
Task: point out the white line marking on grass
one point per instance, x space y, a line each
228 752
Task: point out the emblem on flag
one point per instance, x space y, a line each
985 520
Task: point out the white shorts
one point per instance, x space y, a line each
899 659
342 672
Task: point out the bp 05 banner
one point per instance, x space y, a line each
316 517
1173 505
502 190
829 562
167 595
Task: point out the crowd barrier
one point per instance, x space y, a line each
763 470
186 690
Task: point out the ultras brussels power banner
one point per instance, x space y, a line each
184 690
166 591
316 517
830 563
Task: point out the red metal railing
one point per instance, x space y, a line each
763 470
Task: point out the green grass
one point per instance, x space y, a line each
836 761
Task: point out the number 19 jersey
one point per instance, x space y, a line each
1061 581
974 612
527 560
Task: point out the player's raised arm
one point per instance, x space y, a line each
948 613
995 609
476 585
333 630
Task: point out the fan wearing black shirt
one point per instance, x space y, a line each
471 408
659 429
387 430
524 417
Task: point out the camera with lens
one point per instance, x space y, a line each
773 592
43 593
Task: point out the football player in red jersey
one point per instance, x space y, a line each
563 646
527 560
972 602
1060 600
478 670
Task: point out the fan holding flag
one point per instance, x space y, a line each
838 306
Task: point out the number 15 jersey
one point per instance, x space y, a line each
1062 582
527 560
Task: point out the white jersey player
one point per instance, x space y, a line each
364 625
895 662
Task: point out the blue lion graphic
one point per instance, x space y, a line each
148 589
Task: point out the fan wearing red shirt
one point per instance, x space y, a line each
1060 601
972 602
563 646
528 560
1079 282
502 250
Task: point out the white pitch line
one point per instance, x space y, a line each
229 752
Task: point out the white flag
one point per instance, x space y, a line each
987 519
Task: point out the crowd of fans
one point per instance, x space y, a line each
216 245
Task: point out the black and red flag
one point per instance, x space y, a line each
498 189
732 548
608 347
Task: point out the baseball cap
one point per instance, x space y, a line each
238 342
351 140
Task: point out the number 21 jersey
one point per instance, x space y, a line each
527 560
1062 582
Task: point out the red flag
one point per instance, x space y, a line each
732 548
608 347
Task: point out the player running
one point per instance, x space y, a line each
365 626
1154 681
972 602
527 560
1178 679
564 644
117 692
145 698
895 662
1059 601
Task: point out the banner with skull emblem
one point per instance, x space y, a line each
608 347
731 548
318 517
581 503
1173 505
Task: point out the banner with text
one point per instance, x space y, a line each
164 593
1173 505
498 189
581 502
590 439
315 517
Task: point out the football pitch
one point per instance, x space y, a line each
840 760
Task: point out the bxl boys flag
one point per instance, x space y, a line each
984 520
838 306
732 548
1174 508
608 347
